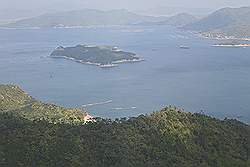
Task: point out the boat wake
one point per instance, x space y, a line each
95 104
121 108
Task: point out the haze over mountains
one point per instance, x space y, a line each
178 20
86 17
170 11
92 17
227 21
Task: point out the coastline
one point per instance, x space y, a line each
223 37
232 46
113 64
63 27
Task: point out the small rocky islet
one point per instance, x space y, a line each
102 56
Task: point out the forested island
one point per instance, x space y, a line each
38 134
102 56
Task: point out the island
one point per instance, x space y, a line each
102 56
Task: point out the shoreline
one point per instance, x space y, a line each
65 27
223 37
113 64
232 46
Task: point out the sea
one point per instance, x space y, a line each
205 79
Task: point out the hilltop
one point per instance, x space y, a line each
170 137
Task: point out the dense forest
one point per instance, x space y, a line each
170 137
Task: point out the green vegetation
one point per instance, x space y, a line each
16 101
97 55
170 137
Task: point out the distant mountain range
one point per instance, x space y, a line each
226 21
92 17
86 17
171 10
177 20
181 19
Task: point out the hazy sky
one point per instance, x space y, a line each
24 7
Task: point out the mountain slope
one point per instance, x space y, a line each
16 101
87 17
178 20
170 137
181 19
227 21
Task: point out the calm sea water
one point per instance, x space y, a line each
215 80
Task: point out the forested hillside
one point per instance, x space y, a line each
16 101
170 137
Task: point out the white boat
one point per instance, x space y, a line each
184 47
